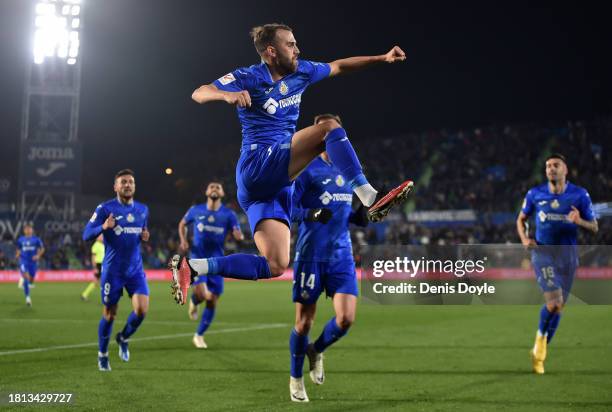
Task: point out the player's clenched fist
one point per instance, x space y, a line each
395 55
145 235
109 223
240 99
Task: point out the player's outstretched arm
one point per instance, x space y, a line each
352 64
210 93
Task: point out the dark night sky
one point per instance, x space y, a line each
467 65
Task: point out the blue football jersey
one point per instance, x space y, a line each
322 185
550 213
121 243
209 228
275 106
28 247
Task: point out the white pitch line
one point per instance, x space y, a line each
149 322
147 338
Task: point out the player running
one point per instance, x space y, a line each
210 224
273 154
559 208
123 224
29 251
97 257
323 262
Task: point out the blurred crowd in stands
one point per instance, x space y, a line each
487 170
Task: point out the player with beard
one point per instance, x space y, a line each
559 209
209 223
273 153
123 223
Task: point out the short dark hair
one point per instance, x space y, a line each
124 172
557 156
211 181
326 116
263 36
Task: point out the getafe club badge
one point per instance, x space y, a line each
211 219
283 89
554 204
130 217
340 181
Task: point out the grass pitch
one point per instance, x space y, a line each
433 358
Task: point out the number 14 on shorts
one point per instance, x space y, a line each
308 280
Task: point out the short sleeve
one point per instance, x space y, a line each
299 187
146 217
585 207
527 207
235 81
232 221
188 218
317 71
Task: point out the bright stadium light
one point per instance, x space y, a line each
57 25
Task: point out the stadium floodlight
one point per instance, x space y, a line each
57 24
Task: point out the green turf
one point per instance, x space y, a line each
430 358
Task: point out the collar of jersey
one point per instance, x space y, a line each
130 203
567 183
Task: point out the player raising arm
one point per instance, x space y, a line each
273 154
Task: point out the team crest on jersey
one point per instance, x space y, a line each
340 181
211 219
130 218
283 89
554 204
227 79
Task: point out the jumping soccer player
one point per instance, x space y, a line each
273 154
97 257
123 224
559 208
29 251
323 261
210 224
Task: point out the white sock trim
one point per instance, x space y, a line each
199 265
366 193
